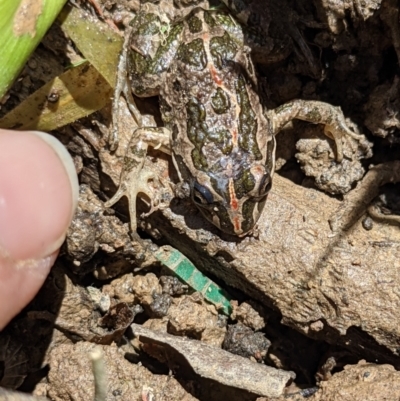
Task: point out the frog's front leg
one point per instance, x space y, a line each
134 179
122 87
315 112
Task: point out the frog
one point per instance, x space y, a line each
217 130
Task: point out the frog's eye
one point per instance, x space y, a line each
265 185
202 195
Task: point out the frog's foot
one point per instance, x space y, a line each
135 179
131 186
337 128
317 112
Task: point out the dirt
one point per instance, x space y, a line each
314 294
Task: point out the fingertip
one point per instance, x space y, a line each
38 196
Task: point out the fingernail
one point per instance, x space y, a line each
38 194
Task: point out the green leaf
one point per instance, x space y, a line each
23 24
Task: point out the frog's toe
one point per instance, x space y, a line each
336 134
122 191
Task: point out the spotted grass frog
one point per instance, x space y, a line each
221 138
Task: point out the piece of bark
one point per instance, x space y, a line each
215 364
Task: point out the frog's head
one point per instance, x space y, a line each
229 188
235 200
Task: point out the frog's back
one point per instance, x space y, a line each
209 98
220 136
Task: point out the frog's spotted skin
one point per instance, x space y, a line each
221 140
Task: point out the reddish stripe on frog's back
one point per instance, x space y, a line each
214 75
232 197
